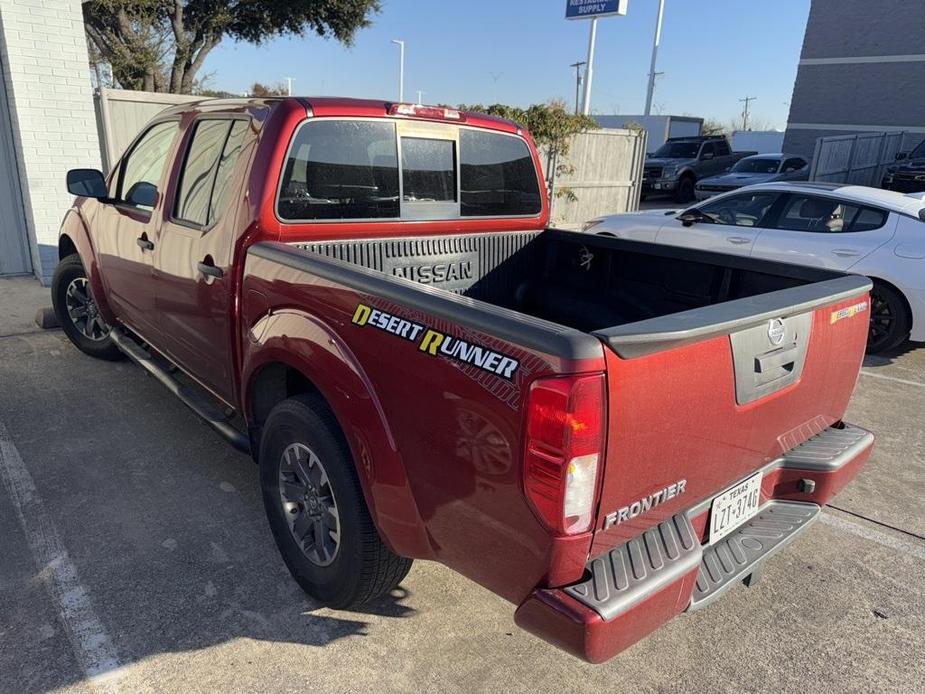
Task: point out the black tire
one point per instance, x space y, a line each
890 322
90 334
685 190
362 567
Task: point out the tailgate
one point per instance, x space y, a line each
709 395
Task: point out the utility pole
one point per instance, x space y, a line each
578 65
652 73
747 100
401 68
420 95
289 85
589 70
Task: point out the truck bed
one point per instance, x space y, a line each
636 297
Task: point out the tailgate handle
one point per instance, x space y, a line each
775 364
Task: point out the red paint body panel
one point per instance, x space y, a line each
678 407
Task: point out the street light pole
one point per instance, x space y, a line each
401 68
578 65
289 85
652 73
589 70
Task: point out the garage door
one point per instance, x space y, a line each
14 249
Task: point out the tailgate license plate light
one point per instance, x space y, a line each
734 506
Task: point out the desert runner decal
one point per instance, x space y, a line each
849 312
437 343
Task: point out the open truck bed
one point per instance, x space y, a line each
718 368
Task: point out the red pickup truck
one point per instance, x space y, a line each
365 296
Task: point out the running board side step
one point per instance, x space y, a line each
741 553
193 400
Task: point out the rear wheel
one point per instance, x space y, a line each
78 313
316 509
890 322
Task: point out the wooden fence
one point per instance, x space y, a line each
859 159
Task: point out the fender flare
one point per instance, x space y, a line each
75 229
307 345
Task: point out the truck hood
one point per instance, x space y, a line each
666 161
739 179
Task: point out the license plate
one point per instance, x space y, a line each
734 506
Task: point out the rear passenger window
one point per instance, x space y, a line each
341 170
828 215
497 176
210 160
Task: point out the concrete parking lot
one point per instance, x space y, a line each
136 557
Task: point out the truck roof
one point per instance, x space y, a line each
328 106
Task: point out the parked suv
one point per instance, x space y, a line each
677 165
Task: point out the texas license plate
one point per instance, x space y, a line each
734 506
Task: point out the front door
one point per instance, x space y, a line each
731 224
125 230
194 282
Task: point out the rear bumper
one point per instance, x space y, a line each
635 588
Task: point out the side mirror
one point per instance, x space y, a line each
691 217
88 183
142 194
901 155
706 156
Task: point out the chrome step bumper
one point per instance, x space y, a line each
738 554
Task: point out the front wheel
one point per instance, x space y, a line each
889 319
316 509
78 313
685 190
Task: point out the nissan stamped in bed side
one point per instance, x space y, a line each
365 297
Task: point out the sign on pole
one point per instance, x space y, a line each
586 9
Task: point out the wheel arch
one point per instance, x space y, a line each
902 295
299 354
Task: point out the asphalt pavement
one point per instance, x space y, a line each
136 557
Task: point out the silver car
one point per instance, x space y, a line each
758 168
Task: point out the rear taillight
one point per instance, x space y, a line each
562 457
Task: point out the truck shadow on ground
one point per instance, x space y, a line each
890 356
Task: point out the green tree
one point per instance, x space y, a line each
551 125
160 45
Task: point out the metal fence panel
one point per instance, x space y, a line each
858 159
605 177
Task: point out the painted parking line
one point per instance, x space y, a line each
88 638
905 546
865 372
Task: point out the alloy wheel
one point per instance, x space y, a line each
83 311
309 504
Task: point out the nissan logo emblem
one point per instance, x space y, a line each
776 331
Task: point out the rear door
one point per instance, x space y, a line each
733 226
824 231
194 282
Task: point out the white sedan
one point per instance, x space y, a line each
878 233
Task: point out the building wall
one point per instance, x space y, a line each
50 100
861 69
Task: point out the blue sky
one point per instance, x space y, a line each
519 51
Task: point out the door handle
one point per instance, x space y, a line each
845 252
210 270
738 239
144 244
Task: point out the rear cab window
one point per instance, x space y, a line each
347 169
